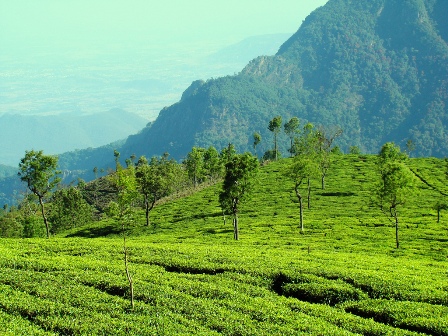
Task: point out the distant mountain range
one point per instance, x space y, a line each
63 132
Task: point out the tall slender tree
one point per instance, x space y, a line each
275 127
123 210
194 165
303 168
257 140
40 173
325 139
306 146
396 183
292 130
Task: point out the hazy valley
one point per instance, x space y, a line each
71 85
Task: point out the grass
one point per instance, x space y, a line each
343 276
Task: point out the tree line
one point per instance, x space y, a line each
312 153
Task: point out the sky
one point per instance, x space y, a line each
62 24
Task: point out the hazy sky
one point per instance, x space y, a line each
97 23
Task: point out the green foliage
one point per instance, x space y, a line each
238 182
194 165
212 164
420 317
257 140
157 179
191 278
396 182
355 150
274 126
126 186
69 209
315 289
291 129
271 155
39 172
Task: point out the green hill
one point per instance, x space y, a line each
343 276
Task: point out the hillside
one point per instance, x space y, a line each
343 276
378 69
6 171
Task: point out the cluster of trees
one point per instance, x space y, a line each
313 152
64 207
143 182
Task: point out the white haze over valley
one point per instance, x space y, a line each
89 57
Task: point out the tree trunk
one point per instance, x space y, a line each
42 208
235 226
396 228
323 181
128 274
309 193
148 208
291 149
224 217
275 146
438 215
300 206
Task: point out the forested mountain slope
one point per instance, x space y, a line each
376 68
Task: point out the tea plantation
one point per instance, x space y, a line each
342 276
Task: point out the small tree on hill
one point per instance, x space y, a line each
396 182
213 167
194 165
306 146
123 210
275 127
40 173
227 153
239 179
257 140
291 130
303 168
439 206
69 209
325 139
155 180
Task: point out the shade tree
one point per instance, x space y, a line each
292 129
69 209
39 172
213 167
325 140
303 168
123 211
257 140
395 183
194 165
156 179
239 179
306 146
275 126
